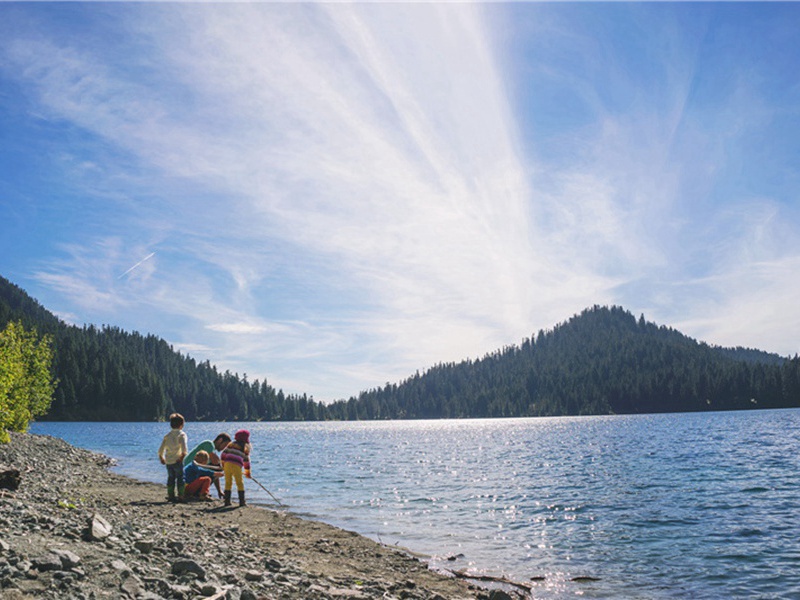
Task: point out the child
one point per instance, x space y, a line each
171 452
199 477
234 458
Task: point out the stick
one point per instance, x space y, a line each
266 490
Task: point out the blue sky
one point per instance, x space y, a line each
335 196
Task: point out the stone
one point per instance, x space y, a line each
99 528
143 546
121 566
48 562
9 478
273 565
131 586
209 590
253 575
187 565
69 560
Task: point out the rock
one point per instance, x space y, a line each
48 562
253 575
69 560
209 590
132 586
120 566
143 546
99 528
186 565
9 478
500 595
24 566
273 565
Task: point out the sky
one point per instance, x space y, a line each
335 196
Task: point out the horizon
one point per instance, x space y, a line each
331 197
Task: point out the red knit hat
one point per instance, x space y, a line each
242 436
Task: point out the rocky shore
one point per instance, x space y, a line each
75 530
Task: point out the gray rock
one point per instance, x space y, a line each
273 565
209 590
48 562
253 575
132 586
23 566
186 565
143 546
69 560
99 528
120 566
9 477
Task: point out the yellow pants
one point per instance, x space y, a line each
232 471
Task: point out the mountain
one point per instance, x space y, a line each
106 374
602 361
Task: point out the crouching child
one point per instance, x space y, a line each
198 477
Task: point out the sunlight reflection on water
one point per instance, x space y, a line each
656 506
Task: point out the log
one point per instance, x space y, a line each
9 478
493 579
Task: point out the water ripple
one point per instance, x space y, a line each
654 506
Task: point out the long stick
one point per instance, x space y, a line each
266 490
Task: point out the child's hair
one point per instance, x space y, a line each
201 457
176 420
224 437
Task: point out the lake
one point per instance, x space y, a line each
650 506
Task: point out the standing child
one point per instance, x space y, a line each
171 452
235 458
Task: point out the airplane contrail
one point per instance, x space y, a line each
148 257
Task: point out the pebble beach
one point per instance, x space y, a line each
73 529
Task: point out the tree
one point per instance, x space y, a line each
26 380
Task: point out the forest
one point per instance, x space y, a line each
106 374
601 361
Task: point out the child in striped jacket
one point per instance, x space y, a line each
235 459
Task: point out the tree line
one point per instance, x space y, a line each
602 361
106 374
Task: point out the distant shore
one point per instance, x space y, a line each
145 547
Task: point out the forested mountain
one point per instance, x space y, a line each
106 374
603 361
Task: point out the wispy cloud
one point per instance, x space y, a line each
343 194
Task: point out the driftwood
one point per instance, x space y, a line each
9 478
493 579
511 582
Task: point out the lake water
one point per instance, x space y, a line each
654 506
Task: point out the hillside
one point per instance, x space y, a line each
603 361
106 374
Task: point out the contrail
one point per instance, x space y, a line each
149 256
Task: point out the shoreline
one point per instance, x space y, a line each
153 549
